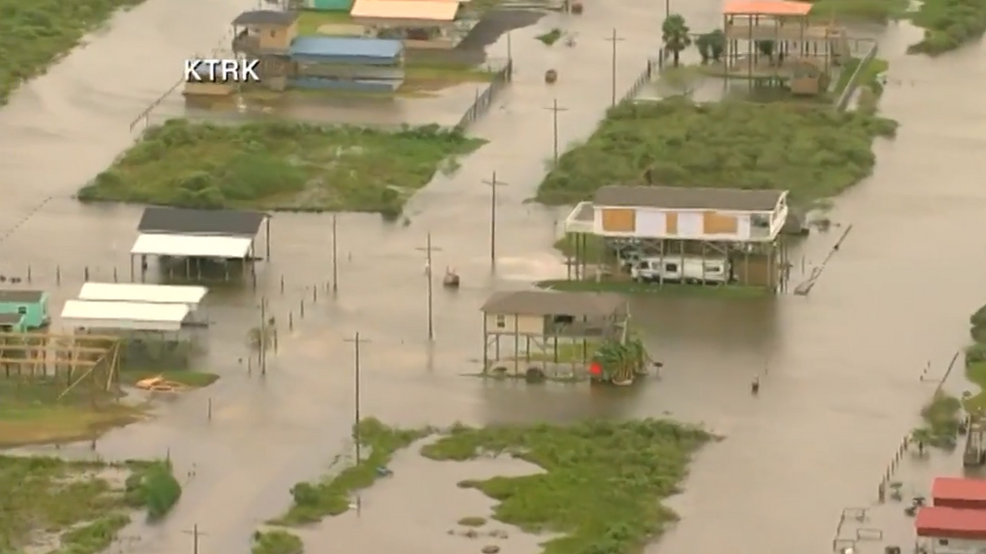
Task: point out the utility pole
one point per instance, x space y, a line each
335 254
357 341
510 49
263 336
195 533
428 249
554 122
493 184
614 39
667 9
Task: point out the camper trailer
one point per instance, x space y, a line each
682 270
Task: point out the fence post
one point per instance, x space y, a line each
85 273
28 273
58 274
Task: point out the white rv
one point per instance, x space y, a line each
688 269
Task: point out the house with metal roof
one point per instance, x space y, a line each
24 309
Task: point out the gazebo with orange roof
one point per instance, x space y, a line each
801 51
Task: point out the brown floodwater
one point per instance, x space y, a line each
840 368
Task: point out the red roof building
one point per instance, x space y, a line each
950 523
956 492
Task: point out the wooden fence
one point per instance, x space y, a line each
646 76
485 99
842 102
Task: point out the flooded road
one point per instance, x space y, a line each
840 368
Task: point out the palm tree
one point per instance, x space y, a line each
676 37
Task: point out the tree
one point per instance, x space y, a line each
704 47
675 34
717 44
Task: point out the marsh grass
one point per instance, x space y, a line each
811 152
882 11
77 504
278 165
331 495
948 25
550 37
603 483
276 541
34 34
472 521
30 412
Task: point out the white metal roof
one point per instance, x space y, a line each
192 246
155 294
142 316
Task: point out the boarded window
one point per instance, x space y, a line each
671 220
501 322
623 220
714 223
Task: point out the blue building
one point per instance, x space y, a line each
340 63
30 305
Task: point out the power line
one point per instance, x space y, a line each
554 123
428 249
493 184
614 39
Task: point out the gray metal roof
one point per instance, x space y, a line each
25 296
265 17
681 198
546 302
10 319
182 221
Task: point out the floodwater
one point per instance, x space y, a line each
840 368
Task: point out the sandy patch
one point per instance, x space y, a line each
417 509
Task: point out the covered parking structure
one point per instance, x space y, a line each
152 335
197 235
187 295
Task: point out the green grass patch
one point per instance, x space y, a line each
311 21
603 479
550 37
34 34
812 153
188 377
624 286
32 413
276 541
79 505
881 11
870 84
279 165
330 496
942 417
948 25
472 521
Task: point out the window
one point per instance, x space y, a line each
22 310
501 322
760 221
671 268
713 268
273 33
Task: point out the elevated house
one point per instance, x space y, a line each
267 35
420 24
24 309
778 41
669 223
526 330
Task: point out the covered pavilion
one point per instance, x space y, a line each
194 235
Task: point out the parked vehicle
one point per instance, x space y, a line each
682 270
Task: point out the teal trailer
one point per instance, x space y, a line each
12 323
31 305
